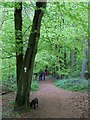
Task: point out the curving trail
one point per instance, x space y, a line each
58 103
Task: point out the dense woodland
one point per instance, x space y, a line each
35 36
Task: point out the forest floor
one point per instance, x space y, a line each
53 103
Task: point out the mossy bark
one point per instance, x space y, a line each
24 83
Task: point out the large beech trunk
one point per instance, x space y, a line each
89 39
18 37
24 83
89 58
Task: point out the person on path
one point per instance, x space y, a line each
44 75
40 76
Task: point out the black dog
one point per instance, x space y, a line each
33 103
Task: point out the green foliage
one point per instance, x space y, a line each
73 84
9 85
9 74
64 27
34 85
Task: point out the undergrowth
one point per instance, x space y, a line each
10 85
34 85
73 84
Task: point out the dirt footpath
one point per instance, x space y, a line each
58 103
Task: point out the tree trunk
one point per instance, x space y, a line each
84 59
89 39
72 57
89 58
65 57
24 83
18 37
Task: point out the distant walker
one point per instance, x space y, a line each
44 75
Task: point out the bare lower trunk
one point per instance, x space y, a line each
89 39
65 57
72 57
89 58
84 59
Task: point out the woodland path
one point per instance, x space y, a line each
56 103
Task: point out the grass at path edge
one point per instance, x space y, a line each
73 84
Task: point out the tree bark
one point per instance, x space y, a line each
89 58
24 83
18 37
65 57
89 39
72 57
84 59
